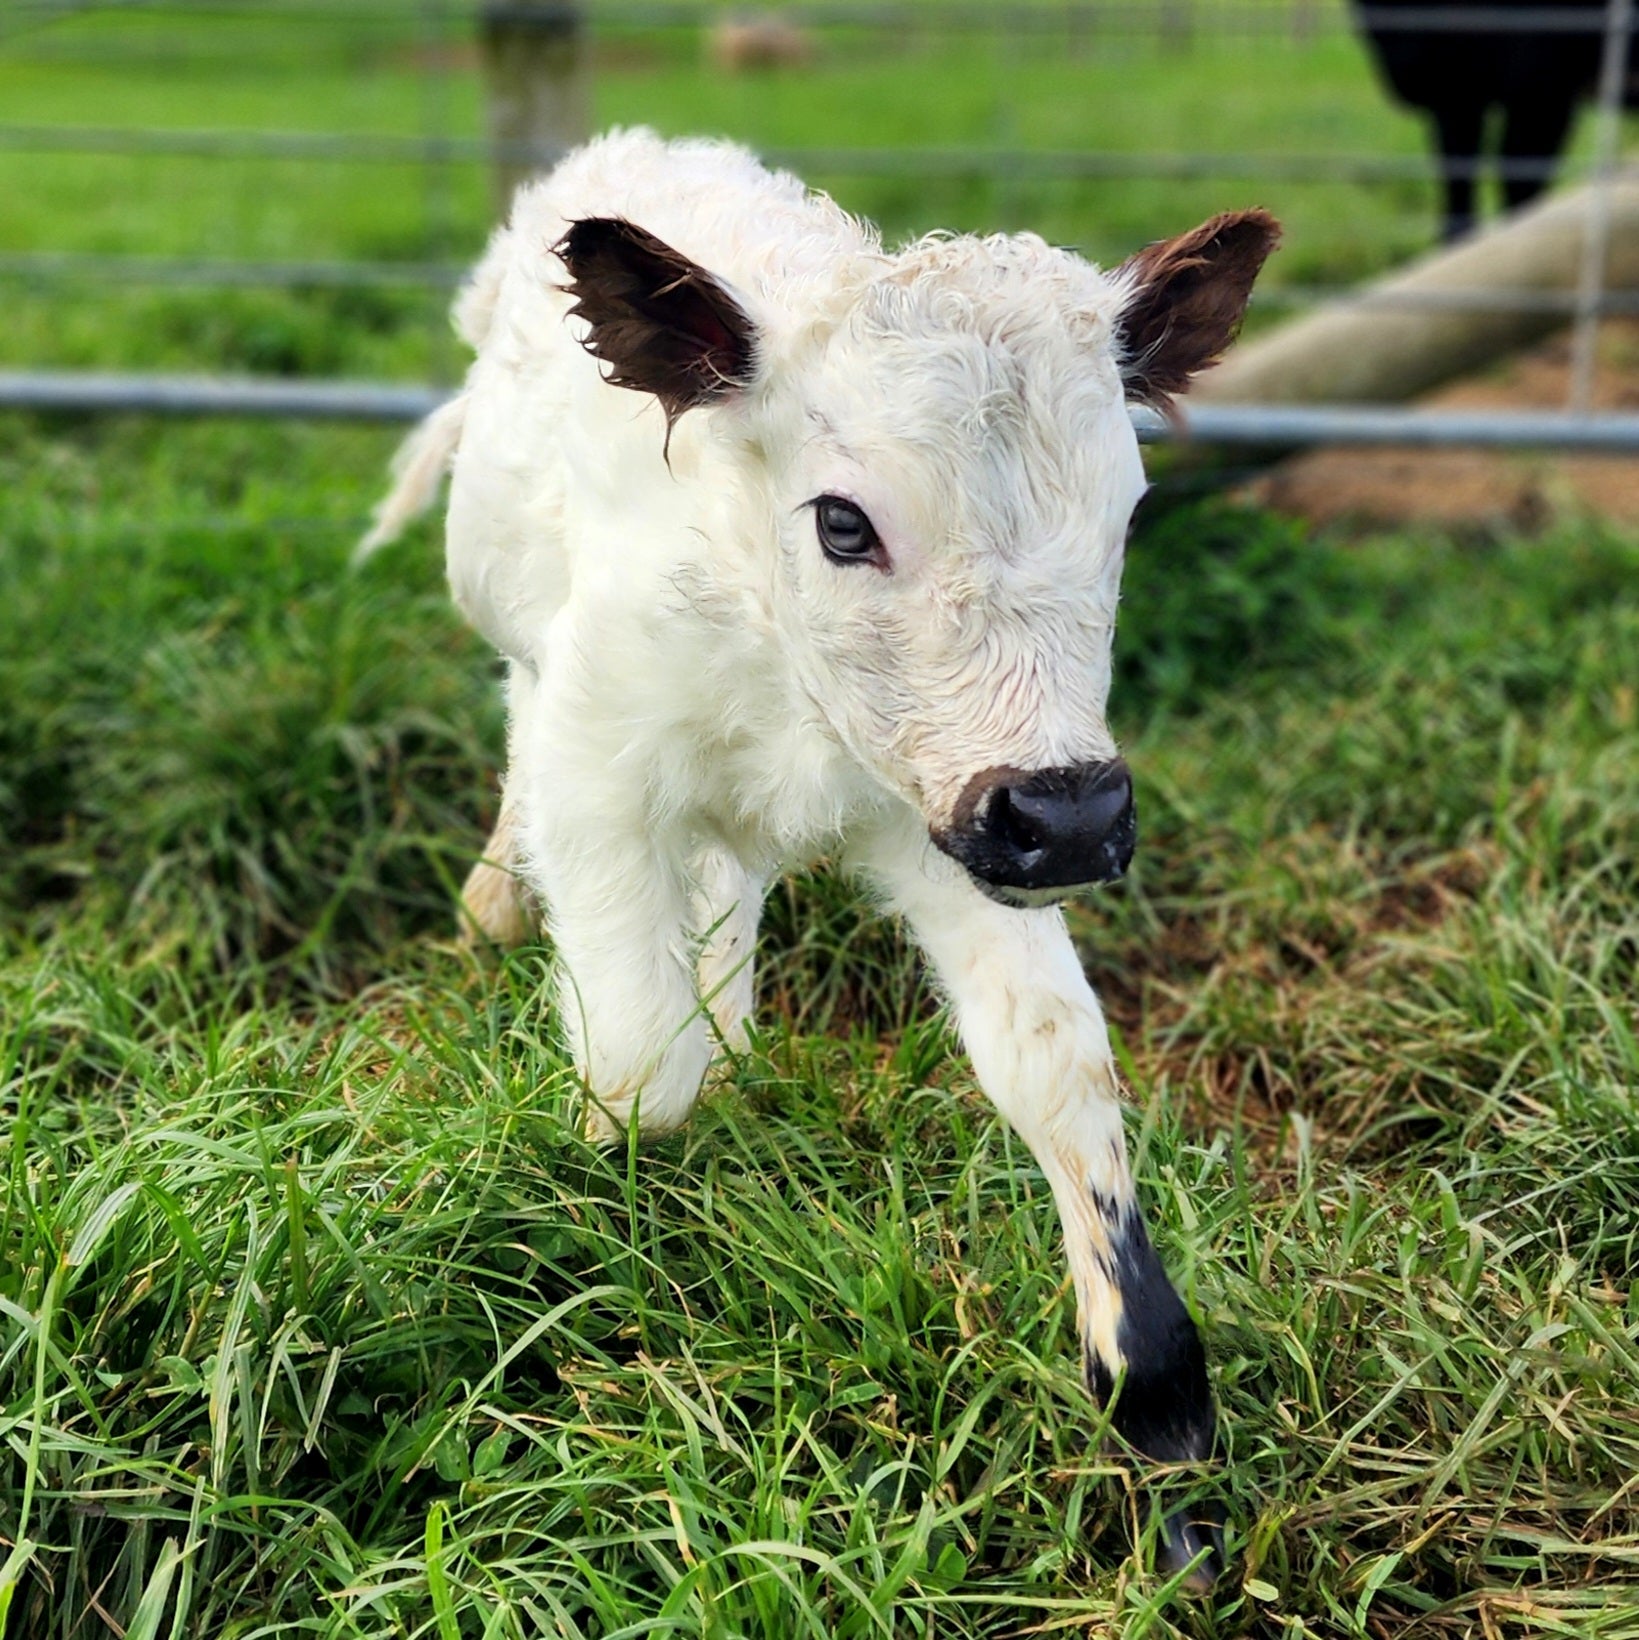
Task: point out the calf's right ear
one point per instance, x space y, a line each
1185 300
660 323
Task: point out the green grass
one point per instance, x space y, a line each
317 1317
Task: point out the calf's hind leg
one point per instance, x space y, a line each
1039 1046
496 906
728 903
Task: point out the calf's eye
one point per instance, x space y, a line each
846 535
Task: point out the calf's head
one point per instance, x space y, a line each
933 477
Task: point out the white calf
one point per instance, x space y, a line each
795 545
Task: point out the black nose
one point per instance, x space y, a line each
1056 828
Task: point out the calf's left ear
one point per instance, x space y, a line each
1185 300
659 322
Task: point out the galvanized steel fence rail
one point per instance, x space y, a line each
1256 426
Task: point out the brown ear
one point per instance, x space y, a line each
1187 298
660 323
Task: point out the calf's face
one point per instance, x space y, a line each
942 459
952 492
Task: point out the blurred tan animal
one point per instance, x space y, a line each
749 41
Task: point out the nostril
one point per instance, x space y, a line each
1109 805
1008 824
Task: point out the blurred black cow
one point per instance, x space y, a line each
1535 77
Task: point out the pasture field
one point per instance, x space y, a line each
1265 95
318 1319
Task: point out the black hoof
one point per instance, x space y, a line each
1164 1405
1192 1541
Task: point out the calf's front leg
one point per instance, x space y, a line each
1034 1032
615 895
617 910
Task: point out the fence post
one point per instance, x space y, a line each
537 86
1177 24
1596 232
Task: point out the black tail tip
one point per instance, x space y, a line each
1192 1543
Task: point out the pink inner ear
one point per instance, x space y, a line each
705 324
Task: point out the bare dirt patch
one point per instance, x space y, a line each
1474 488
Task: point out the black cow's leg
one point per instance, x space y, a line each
1533 136
1459 128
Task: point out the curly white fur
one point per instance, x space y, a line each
699 699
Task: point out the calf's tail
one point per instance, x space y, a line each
418 470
